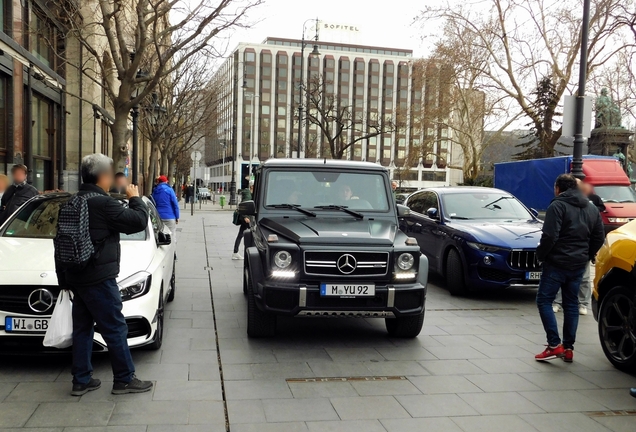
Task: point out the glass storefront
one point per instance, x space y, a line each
4 123
43 130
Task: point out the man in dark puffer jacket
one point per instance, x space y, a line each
572 234
96 294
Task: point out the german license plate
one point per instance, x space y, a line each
26 325
347 290
533 276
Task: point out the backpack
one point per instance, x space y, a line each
73 246
236 218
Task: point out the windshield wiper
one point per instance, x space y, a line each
294 207
341 208
627 201
460 217
497 200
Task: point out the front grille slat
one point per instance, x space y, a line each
523 260
325 263
14 298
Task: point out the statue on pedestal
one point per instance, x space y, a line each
608 114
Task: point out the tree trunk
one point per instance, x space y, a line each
152 170
170 171
119 131
164 165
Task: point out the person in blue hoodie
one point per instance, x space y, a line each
167 205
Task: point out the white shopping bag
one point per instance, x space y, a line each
60 331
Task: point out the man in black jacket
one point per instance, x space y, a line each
16 194
572 234
96 295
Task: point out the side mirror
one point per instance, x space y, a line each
432 213
247 208
403 211
534 212
163 239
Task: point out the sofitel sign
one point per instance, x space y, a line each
341 27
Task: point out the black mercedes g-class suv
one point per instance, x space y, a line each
325 242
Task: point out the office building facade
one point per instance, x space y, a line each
257 91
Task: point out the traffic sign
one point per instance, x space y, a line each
195 156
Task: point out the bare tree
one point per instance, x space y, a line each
525 40
341 124
177 113
135 45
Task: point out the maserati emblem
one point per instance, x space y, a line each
40 300
346 264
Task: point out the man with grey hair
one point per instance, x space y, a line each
96 295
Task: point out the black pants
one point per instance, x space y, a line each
239 236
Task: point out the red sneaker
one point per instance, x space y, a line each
568 355
550 353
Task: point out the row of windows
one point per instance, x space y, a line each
364 50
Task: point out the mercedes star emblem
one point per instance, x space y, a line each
40 300
346 264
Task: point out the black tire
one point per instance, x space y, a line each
454 273
259 324
173 282
405 327
158 339
617 328
245 278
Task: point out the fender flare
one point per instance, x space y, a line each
255 267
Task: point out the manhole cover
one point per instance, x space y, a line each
345 379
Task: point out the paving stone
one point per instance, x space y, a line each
368 407
354 354
501 382
162 371
617 423
500 403
203 372
564 422
207 412
396 368
257 389
430 424
495 366
281 370
246 411
295 355
385 388
271 427
141 428
188 390
187 428
6 388
444 384
489 423
558 381
247 356
455 353
189 357
450 367
339 369
438 405
290 410
71 414
346 426
149 413
15 414
562 401
38 429
608 379
613 399
411 353
203 343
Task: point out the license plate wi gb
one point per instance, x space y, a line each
26 325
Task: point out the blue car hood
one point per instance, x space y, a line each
513 235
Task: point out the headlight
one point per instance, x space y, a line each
483 247
618 220
282 259
405 261
135 286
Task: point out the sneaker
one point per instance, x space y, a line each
556 308
82 389
550 353
568 355
237 256
582 310
134 386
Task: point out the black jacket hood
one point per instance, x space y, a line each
573 197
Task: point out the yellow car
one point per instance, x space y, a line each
614 296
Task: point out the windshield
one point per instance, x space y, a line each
38 219
483 205
616 194
355 191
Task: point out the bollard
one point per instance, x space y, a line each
222 200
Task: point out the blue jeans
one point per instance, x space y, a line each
100 304
568 281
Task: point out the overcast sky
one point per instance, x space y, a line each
390 27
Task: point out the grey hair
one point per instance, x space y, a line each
93 166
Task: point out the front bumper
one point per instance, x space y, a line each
298 299
482 277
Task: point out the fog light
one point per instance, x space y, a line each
488 260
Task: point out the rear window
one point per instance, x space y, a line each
38 219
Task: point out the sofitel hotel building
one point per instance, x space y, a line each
257 91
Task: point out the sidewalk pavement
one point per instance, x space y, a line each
471 369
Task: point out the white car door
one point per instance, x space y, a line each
164 254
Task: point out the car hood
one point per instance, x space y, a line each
620 209
513 235
330 230
26 261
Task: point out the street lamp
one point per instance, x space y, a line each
253 97
301 87
224 145
577 152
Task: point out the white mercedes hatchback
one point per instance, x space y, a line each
29 287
